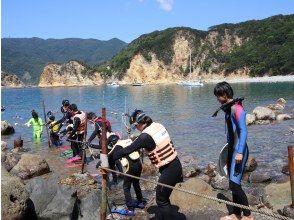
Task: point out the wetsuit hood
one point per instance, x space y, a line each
228 105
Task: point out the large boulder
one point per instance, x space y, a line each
61 205
283 117
259 177
220 182
13 196
250 119
10 160
6 128
187 202
3 146
264 113
278 195
30 165
251 164
60 201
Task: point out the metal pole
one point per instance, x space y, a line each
103 207
291 171
84 155
45 118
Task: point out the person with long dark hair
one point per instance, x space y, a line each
155 139
238 152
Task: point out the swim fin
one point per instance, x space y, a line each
123 212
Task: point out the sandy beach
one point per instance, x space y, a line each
265 79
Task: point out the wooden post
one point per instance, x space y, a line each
45 118
103 207
291 171
84 155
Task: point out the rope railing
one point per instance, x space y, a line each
263 212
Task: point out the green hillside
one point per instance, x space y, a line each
21 55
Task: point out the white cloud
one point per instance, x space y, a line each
166 5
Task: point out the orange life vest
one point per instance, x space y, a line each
164 151
82 127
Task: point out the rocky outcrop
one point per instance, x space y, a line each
9 160
264 113
13 196
283 117
6 128
30 165
250 119
188 202
60 200
10 80
72 73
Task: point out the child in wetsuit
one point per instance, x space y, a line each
235 117
132 165
37 125
54 129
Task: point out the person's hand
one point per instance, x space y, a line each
239 158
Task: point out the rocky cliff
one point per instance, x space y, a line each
252 48
10 80
72 73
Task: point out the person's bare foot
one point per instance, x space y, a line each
250 217
231 217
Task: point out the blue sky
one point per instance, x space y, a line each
127 19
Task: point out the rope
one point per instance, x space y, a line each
263 212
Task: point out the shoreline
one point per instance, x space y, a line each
264 79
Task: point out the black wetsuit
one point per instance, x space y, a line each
75 146
171 174
66 117
97 131
135 168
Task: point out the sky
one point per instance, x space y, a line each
126 19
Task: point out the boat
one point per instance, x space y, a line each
190 82
137 84
113 84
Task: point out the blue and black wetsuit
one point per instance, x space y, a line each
236 137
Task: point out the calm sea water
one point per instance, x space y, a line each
186 113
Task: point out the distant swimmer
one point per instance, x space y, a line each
2 108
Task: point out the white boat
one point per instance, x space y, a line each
137 84
190 82
113 84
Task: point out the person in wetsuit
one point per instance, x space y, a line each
78 131
67 114
133 166
238 152
97 122
155 139
37 125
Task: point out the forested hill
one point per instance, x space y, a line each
26 57
255 48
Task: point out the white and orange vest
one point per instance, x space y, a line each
133 156
164 151
81 129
